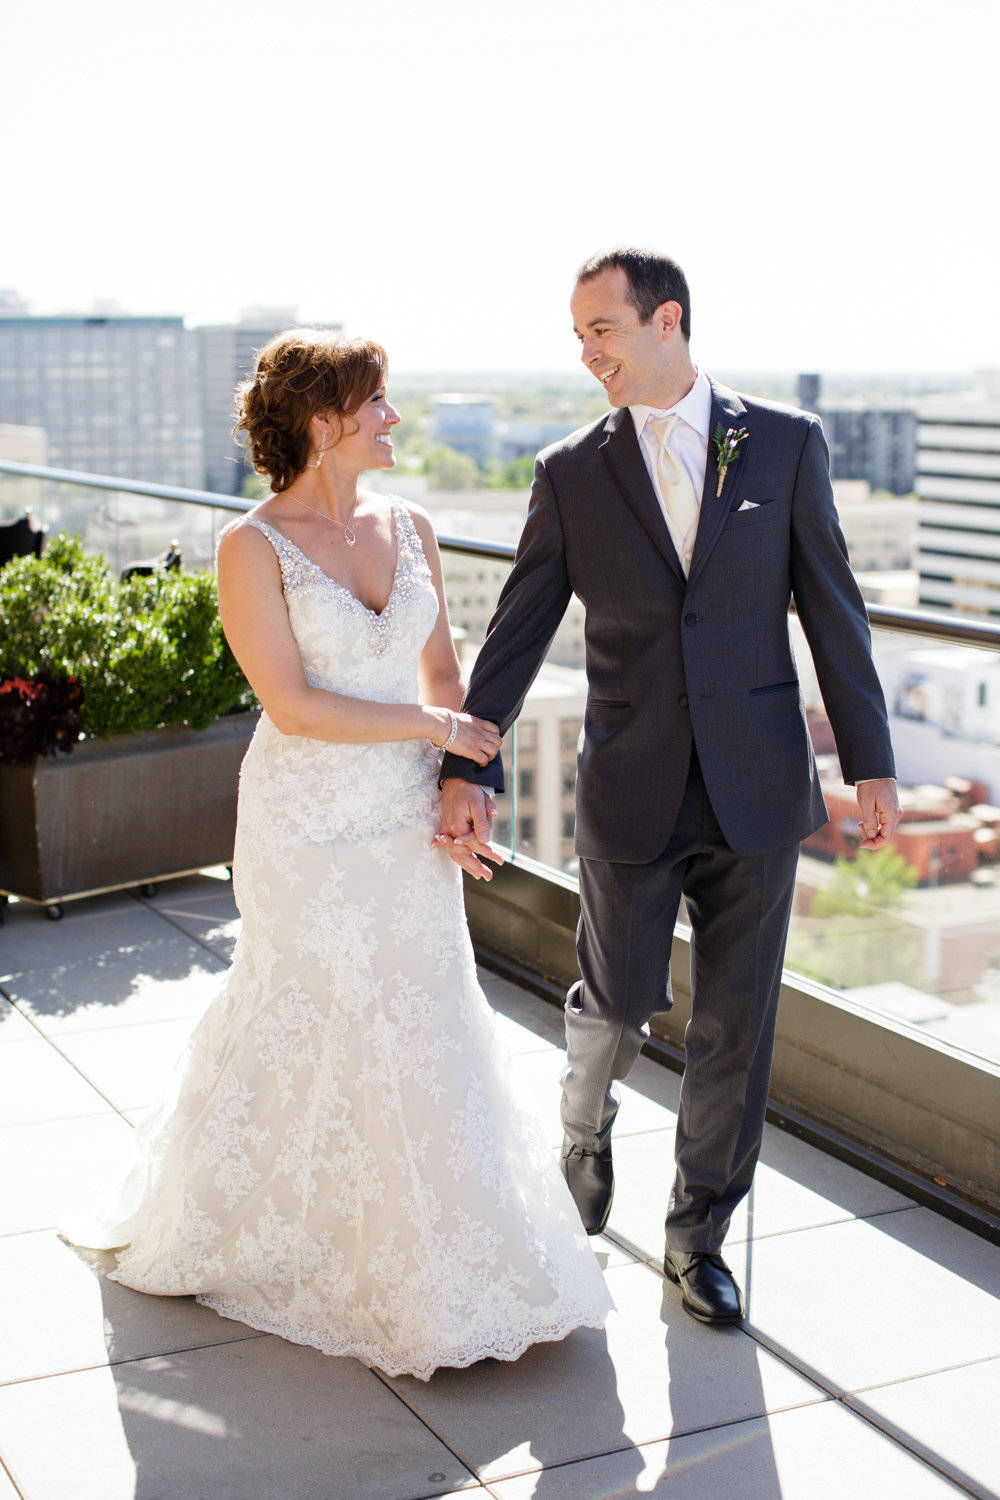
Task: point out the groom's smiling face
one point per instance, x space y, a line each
627 356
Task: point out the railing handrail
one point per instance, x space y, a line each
931 624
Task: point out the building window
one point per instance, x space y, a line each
527 830
526 782
527 735
568 824
569 732
982 695
568 779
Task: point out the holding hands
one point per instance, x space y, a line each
467 813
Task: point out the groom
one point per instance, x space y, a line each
684 521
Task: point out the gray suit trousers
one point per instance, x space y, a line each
739 908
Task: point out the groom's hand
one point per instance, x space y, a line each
467 814
880 812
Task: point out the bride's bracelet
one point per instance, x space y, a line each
454 732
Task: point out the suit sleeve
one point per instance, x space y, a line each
531 605
835 621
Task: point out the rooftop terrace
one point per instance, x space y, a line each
868 1365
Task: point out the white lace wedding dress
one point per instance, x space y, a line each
341 1160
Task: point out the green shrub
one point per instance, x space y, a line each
874 881
147 652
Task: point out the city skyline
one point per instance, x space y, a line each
433 176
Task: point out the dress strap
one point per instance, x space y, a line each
290 559
408 543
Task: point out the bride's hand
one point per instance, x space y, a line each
477 739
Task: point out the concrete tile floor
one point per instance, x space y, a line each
869 1363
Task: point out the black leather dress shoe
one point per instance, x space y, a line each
708 1290
591 1180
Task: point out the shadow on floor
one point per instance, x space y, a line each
232 1414
98 954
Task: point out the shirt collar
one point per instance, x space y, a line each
695 408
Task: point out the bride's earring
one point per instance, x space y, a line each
319 458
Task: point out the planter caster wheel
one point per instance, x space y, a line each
149 890
54 912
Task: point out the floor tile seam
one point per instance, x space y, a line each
178 928
69 1031
386 1382
648 1258
895 1435
882 1385
99 1031
853 1404
970 1487
675 1435
6 1469
68 1060
849 1218
132 1359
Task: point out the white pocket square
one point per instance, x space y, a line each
749 505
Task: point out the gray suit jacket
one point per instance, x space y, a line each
707 657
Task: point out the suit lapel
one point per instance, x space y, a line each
620 451
727 409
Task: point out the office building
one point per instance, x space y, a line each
467 424
115 394
867 441
228 355
958 482
25 445
548 733
516 438
881 534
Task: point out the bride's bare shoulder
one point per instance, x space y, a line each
241 539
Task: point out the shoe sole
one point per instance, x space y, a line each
700 1317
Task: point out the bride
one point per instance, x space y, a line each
341 1160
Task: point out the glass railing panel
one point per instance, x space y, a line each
914 934
914 931
547 734
126 528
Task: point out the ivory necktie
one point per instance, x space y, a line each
679 498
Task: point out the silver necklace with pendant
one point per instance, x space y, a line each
349 536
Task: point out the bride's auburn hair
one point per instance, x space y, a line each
300 373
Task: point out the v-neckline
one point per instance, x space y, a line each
376 614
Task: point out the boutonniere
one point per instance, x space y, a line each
725 446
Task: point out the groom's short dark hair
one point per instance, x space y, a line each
652 279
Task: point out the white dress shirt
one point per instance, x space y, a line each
688 445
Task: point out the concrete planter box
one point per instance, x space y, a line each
126 811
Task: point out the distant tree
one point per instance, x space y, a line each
254 487
520 472
872 882
448 470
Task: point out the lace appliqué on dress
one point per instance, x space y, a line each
345 1165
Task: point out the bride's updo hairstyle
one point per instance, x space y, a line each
298 374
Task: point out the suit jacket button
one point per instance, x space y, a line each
690 619
683 700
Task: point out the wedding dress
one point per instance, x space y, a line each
341 1159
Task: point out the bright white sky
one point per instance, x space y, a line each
431 172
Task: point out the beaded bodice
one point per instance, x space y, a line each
327 790
346 647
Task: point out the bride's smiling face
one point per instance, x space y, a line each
370 445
